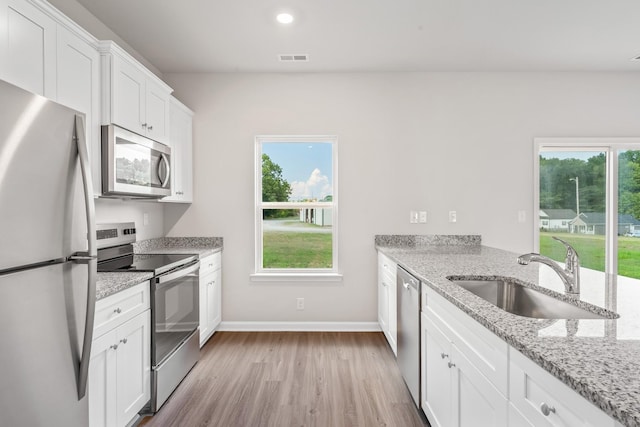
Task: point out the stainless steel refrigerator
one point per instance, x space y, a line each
47 262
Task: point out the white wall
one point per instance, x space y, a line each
407 141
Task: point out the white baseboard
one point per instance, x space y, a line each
301 326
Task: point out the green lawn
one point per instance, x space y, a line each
591 251
285 249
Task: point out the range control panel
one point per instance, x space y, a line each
115 234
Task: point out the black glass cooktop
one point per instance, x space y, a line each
155 263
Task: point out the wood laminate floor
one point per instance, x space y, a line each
281 379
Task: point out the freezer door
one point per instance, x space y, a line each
41 202
42 315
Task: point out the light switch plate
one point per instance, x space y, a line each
413 217
453 216
423 217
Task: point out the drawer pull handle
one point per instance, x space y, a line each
114 346
451 365
123 340
443 355
117 310
546 409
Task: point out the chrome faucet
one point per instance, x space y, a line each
570 275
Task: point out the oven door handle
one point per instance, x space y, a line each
183 272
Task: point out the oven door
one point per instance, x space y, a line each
134 165
174 313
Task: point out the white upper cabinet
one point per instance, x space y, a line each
133 97
28 47
181 141
78 85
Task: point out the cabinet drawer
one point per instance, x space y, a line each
487 352
531 387
210 263
387 268
116 309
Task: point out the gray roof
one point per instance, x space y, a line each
558 213
600 218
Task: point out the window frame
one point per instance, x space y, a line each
610 146
294 274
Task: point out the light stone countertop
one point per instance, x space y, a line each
111 283
599 359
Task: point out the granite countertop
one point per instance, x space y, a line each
202 246
599 359
110 283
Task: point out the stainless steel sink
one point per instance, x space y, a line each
524 301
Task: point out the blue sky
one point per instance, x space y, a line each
306 166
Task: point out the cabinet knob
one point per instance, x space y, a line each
123 340
117 310
114 346
451 365
150 127
546 409
144 125
443 355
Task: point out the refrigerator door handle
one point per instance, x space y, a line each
90 258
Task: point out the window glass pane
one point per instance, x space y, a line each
297 238
628 213
297 172
573 205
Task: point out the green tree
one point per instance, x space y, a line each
274 188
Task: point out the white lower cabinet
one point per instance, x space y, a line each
210 295
119 372
542 400
387 300
454 391
470 377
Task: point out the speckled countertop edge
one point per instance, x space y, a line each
605 372
111 283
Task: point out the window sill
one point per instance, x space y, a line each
296 277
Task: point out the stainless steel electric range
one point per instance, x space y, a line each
174 305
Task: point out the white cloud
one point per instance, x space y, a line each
317 186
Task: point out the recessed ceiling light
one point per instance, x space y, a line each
285 18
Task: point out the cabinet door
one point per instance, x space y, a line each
102 390
134 367
436 375
27 47
157 112
78 76
476 401
214 312
128 97
180 131
205 306
383 305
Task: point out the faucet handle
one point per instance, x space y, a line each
571 252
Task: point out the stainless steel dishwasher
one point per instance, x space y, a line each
409 331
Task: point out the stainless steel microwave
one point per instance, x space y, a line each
133 165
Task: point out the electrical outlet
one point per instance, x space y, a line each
413 217
423 217
453 216
300 304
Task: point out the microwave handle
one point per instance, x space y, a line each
167 174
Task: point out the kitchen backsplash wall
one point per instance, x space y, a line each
118 210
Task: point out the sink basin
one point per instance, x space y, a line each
524 301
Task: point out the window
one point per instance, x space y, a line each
296 207
597 181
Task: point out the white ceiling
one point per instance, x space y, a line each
379 35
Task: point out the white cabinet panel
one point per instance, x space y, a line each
436 375
28 47
210 295
128 98
78 87
387 300
181 141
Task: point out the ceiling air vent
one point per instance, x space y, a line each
293 58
